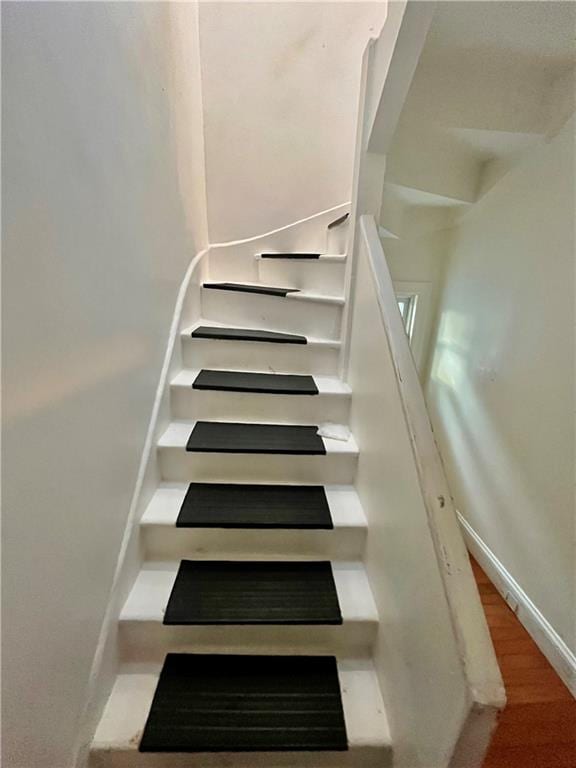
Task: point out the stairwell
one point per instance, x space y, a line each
297 592
231 541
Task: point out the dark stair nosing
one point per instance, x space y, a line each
212 592
338 221
247 334
232 437
295 256
232 703
257 383
266 290
233 505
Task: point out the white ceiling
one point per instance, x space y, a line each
419 197
491 144
544 29
493 80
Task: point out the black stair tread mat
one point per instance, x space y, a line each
232 437
262 383
230 505
290 256
248 592
247 334
267 290
231 703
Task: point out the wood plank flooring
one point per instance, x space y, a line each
538 727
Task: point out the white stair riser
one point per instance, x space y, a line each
188 403
337 238
274 313
260 356
355 757
166 542
150 641
179 465
326 278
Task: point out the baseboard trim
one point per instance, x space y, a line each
541 631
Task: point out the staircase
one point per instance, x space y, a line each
246 639
291 580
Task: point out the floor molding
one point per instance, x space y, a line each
542 632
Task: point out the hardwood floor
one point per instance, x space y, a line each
538 727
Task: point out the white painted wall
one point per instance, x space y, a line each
103 198
280 88
501 385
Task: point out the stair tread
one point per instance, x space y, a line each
340 220
153 585
296 256
246 334
254 506
224 592
294 294
325 258
178 432
237 437
262 383
267 290
127 709
270 336
344 505
208 703
326 385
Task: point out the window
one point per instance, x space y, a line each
407 307
414 299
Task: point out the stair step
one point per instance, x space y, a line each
294 294
331 403
340 220
307 313
145 637
244 381
325 276
290 255
336 466
265 592
323 258
231 505
207 703
246 334
265 290
265 520
274 352
368 736
230 437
